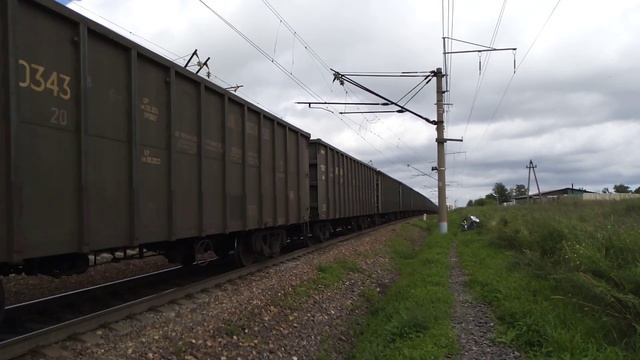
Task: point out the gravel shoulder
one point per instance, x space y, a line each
473 321
255 317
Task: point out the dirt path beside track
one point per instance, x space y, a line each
472 321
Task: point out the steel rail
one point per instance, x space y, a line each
55 297
22 344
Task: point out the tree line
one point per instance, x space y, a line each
501 194
621 189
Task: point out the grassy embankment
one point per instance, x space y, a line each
413 318
563 279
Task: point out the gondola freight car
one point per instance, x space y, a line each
105 144
399 200
342 190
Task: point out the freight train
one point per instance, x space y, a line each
105 145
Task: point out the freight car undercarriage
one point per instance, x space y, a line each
246 248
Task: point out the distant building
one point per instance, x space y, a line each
572 193
610 196
568 192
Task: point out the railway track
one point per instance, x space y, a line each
42 322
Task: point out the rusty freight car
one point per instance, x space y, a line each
105 144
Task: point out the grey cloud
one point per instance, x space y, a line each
573 106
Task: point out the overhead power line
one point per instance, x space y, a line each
307 47
524 58
484 66
319 60
275 62
323 64
174 54
288 73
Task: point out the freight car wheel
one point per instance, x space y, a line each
223 248
244 252
319 234
327 233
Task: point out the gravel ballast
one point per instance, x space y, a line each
253 317
473 321
21 288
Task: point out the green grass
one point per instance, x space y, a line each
563 279
412 320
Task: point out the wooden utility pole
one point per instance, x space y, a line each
442 181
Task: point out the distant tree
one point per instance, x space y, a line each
637 190
605 190
621 189
470 203
482 202
519 190
501 192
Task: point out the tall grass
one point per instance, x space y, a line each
590 250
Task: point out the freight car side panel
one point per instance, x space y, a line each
252 169
348 202
345 185
406 198
186 161
213 183
360 188
4 135
281 177
313 180
317 179
342 183
303 177
373 192
357 204
292 177
389 194
331 186
322 193
112 145
268 172
353 191
235 166
47 140
108 149
153 162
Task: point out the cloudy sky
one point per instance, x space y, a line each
573 106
